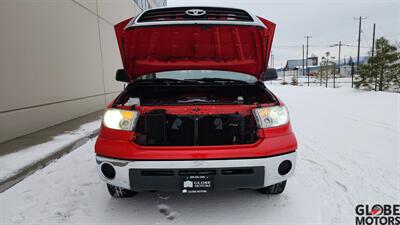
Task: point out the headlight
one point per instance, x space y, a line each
120 119
271 116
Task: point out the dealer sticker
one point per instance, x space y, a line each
197 184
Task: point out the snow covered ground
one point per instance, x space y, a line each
11 164
349 154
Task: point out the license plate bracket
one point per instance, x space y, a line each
197 183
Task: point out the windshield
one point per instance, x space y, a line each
201 74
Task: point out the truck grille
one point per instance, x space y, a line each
180 14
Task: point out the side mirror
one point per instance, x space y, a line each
270 74
122 76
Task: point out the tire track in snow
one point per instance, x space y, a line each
334 199
328 165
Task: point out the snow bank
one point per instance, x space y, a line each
11 164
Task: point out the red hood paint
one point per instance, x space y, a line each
150 49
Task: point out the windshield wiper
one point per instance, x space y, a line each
217 80
166 81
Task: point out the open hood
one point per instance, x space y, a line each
173 46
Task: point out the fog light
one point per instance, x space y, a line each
108 170
285 167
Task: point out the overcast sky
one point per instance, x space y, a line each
327 21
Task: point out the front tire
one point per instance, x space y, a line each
274 189
119 192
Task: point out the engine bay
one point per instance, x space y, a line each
157 126
198 95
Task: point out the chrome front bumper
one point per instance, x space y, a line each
270 165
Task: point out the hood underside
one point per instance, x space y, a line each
238 48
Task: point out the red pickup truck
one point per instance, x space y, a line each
195 115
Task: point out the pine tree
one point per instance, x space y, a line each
381 72
395 76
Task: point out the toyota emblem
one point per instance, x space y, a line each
195 12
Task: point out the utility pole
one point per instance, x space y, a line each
303 60
321 72
308 72
373 41
272 61
327 57
372 54
284 75
327 71
334 73
282 70
358 47
334 69
340 47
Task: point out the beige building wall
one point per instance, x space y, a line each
57 60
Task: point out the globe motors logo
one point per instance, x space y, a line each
378 214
